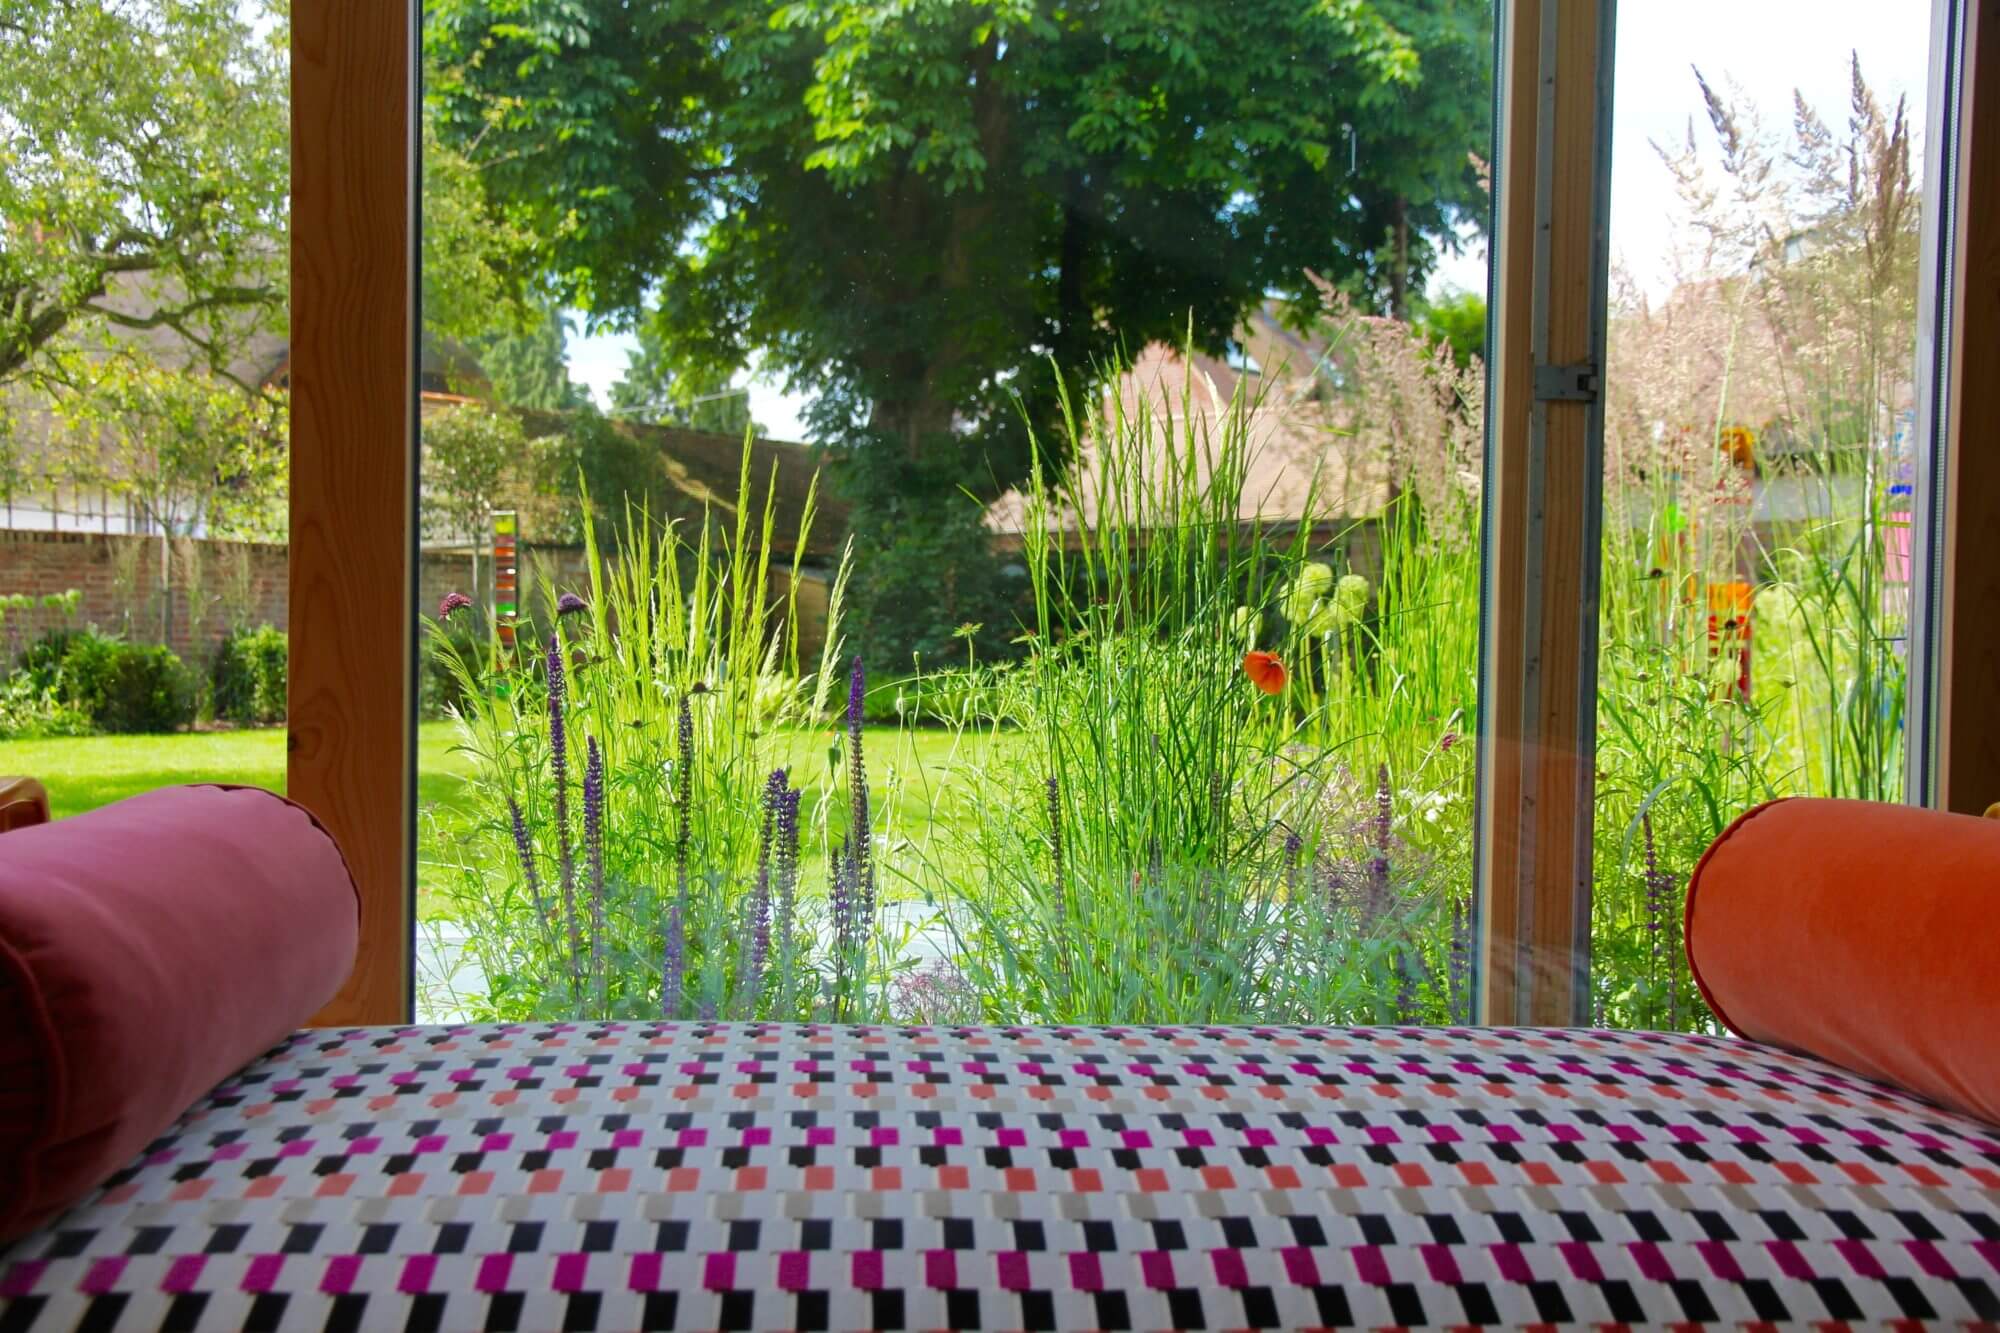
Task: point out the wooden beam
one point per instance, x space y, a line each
1538 676
351 722
1964 740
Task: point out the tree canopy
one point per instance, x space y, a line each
144 146
653 391
913 207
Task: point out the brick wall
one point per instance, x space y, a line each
218 585
212 586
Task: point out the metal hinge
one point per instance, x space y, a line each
1566 384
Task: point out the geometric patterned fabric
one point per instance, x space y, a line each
735 1176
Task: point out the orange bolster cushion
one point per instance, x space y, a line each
1867 935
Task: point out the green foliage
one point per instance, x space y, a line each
472 457
145 141
528 369
618 472
32 711
678 618
127 687
248 680
1458 320
191 451
912 208
475 258
928 567
652 390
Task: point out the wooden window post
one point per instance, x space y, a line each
1954 742
1544 505
351 725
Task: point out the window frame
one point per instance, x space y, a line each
352 731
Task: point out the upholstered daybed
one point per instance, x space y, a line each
691 1175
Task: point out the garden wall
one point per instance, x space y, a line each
214 586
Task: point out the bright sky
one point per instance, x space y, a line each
1767 47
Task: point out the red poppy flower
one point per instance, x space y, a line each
1266 672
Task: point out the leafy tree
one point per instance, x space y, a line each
145 145
922 212
193 452
912 206
470 451
527 368
653 391
476 259
1457 319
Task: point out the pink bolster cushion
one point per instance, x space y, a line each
1867 935
148 950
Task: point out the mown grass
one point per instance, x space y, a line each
84 773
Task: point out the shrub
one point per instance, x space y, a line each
249 675
127 687
42 660
32 712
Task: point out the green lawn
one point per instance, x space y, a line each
905 769
90 771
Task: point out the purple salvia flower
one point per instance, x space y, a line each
683 795
1294 846
1056 841
785 858
757 939
569 604
861 830
708 1011
1378 867
1460 974
673 960
593 842
524 847
1660 889
1406 985
559 767
840 905
453 601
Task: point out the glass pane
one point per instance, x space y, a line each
143 383
963 512
1761 353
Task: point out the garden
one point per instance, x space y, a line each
1165 757
1226 772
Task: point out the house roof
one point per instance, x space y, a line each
703 468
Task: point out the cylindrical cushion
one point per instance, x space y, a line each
1867 935
148 950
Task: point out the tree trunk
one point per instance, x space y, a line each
1399 274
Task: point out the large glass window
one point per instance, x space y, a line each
1758 447
144 374
951 511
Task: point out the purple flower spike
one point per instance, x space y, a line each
559 768
593 842
1378 867
861 831
683 795
524 847
453 601
569 604
673 960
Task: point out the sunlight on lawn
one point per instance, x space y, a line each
84 773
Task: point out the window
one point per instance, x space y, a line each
144 396
1759 456
956 515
